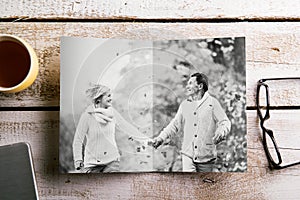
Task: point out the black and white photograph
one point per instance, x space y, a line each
152 106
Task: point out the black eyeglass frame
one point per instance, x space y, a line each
272 163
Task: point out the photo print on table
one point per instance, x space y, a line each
152 106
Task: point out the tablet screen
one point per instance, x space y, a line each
17 179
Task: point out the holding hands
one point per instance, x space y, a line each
156 142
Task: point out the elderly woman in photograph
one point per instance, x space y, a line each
97 126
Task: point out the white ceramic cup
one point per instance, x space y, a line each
18 64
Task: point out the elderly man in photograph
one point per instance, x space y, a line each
204 124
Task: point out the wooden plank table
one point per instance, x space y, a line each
142 10
272 50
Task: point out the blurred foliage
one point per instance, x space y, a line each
149 94
67 131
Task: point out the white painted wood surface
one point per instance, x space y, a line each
155 9
272 50
40 129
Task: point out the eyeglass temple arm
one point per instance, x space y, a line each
284 166
276 79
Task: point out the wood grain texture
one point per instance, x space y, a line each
40 129
273 50
156 9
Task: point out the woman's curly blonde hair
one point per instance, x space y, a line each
96 90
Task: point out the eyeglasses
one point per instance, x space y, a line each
263 111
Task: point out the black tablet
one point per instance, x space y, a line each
17 180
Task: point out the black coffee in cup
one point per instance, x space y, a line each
14 63
18 64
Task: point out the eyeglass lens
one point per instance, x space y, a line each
271 148
263 100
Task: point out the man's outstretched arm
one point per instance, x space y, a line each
172 128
